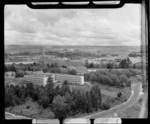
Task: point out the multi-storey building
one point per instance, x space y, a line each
10 74
73 79
34 72
36 79
41 79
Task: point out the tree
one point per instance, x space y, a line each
70 102
73 105
119 94
29 90
100 78
86 64
55 70
134 65
114 79
86 76
6 68
64 66
57 90
59 107
123 79
68 97
72 71
88 97
124 63
54 65
45 70
65 82
92 77
19 92
109 66
10 98
91 65
84 103
43 98
36 94
50 89
13 68
128 62
78 101
95 97
105 106
19 73
22 88
107 80
65 88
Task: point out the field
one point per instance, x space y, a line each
131 112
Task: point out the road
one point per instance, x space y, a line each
23 62
135 95
13 116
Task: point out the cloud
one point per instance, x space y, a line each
72 27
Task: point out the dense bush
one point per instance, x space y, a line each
113 78
105 106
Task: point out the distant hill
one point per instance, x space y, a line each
22 48
121 50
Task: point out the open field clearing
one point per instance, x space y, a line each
131 112
31 109
134 110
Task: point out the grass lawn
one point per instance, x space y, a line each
31 109
85 114
131 112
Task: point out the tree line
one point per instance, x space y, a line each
20 69
115 78
123 63
62 101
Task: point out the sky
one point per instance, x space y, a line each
112 27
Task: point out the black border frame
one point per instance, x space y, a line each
59 6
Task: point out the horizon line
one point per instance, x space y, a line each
63 45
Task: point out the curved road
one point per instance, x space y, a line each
135 95
13 116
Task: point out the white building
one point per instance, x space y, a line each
10 74
36 79
73 79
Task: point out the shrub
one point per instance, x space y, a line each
27 107
105 106
119 94
107 80
140 100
